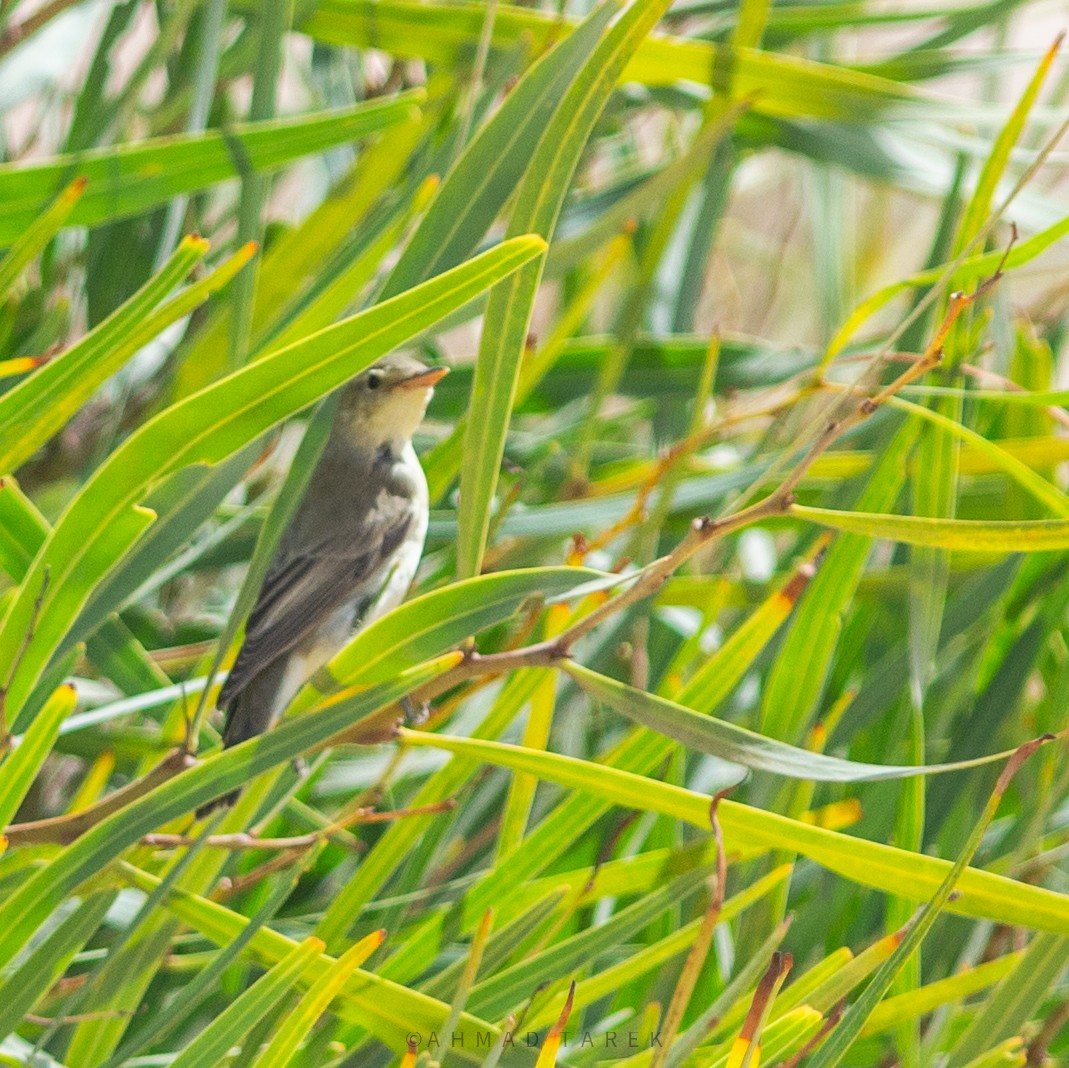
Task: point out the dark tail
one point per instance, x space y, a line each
248 714
226 801
236 729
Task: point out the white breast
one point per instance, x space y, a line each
392 579
401 569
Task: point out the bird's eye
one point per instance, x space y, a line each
374 379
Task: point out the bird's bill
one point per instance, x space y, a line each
425 380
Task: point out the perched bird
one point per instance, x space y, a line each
349 553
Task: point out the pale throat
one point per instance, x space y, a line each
389 426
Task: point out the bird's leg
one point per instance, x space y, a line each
415 715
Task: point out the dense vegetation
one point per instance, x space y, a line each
748 497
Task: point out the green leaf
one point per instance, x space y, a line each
297 1023
894 871
130 179
961 535
1052 498
22 529
37 236
209 1048
21 766
731 742
538 203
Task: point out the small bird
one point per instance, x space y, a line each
349 553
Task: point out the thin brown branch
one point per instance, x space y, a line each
244 840
699 950
62 830
1037 1049
829 1024
74 1018
17 32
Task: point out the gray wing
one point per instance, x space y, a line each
304 585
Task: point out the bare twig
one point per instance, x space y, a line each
74 1018
243 840
15 33
699 950
63 830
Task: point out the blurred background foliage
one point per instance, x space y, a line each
755 214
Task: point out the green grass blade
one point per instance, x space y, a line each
894 871
538 203
20 767
704 734
229 1028
37 236
960 535
134 178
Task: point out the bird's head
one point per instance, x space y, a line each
385 404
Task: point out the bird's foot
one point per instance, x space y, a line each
415 715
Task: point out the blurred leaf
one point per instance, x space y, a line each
212 1044
1017 1000
130 179
20 767
778 84
37 236
961 535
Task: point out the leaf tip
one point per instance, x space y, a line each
196 243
